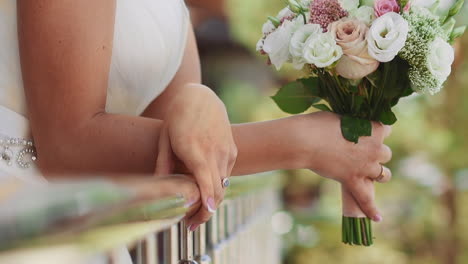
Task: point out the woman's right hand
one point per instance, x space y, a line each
355 166
197 133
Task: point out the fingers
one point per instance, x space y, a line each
380 173
387 131
232 157
205 213
218 168
165 160
363 192
181 185
386 175
380 130
213 199
377 130
385 154
203 175
201 216
350 206
374 172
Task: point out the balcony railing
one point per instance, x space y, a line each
153 233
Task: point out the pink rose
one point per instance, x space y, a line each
351 35
381 7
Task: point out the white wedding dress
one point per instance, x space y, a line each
149 41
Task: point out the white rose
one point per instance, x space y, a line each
259 46
321 50
267 28
387 36
296 46
349 5
276 44
364 13
440 59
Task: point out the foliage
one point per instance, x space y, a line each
371 98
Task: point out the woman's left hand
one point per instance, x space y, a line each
198 133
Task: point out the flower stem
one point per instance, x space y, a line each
357 231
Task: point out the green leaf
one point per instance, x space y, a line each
312 84
322 107
456 33
449 25
395 78
433 8
455 8
387 117
352 128
275 21
294 6
294 98
407 92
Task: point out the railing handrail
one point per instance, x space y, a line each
140 218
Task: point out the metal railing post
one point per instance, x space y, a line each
200 237
171 245
151 249
186 244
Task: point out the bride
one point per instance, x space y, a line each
113 87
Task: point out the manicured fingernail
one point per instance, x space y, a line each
378 218
210 203
193 227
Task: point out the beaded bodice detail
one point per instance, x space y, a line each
18 151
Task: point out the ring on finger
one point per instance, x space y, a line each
381 175
225 182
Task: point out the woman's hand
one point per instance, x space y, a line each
197 132
355 166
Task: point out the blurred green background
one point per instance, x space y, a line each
425 206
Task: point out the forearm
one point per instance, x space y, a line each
266 146
106 144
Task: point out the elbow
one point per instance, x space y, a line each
59 149
55 155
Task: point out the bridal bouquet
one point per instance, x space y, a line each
360 57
